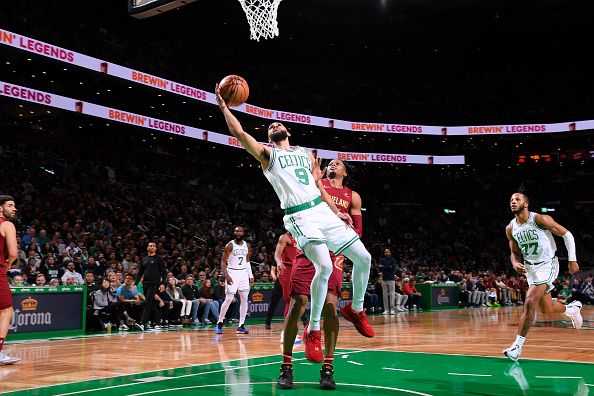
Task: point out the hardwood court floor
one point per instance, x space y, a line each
390 363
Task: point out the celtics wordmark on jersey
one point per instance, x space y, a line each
537 245
238 258
290 173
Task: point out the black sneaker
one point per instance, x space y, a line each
326 380
285 380
267 326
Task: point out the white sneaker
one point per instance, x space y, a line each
386 313
7 360
513 352
573 313
400 308
123 327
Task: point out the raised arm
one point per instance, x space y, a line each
318 175
516 253
259 151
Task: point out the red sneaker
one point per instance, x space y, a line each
358 319
313 345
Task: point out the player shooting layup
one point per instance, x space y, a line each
310 215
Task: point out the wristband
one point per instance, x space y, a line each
570 245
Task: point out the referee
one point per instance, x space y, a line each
153 274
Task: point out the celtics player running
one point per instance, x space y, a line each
237 271
530 238
310 216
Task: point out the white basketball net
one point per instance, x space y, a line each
261 15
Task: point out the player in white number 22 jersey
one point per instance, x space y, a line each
531 240
311 217
237 271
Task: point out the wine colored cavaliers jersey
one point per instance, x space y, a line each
342 197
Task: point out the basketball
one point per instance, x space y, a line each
234 90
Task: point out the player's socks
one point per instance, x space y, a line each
287 358
520 340
314 324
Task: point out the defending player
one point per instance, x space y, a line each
310 215
347 201
8 254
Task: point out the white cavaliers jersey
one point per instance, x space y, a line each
289 172
238 258
537 245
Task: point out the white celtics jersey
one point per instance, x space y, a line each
289 172
537 245
238 257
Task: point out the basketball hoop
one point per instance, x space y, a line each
261 15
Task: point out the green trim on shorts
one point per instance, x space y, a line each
297 227
550 280
346 245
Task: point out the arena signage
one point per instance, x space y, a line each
101 66
62 102
38 310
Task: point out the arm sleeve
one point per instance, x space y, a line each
249 269
358 224
570 245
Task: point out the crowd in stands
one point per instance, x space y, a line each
87 218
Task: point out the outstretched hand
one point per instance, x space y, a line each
346 218
318 173
219 98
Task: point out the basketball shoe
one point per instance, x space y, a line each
313 345
285 380
573 312
513 352
326 380
7 360
358 319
